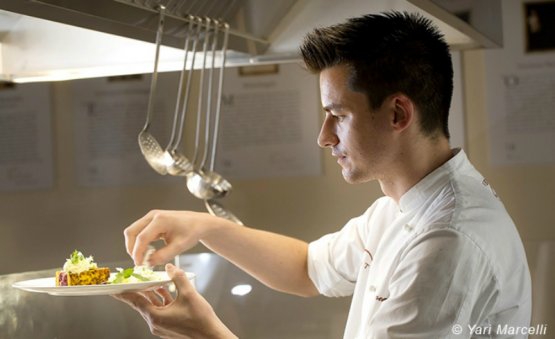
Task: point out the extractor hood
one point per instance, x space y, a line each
63 39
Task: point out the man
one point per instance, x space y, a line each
436 257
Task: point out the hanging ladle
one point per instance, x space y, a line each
218 210
176 162
209 184
212 205
151 149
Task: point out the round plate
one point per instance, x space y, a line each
48 285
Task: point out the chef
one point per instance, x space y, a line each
437 256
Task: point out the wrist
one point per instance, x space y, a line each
214 229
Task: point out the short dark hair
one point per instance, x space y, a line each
388 53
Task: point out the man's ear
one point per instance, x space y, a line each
403 109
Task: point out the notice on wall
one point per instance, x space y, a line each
520 80
269 123
25 137
109 113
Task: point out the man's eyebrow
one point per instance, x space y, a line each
333 107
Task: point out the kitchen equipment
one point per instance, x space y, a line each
214 207
177 163
218 210
202 183
261 31
151 149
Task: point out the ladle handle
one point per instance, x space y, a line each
179 100
154 79
209 96
219 102
188 86
201 90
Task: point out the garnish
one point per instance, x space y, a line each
133 275
76 257
77 263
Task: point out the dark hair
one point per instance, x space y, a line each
388 53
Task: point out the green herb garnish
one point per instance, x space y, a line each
123 275
76 257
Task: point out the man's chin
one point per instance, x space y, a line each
354 178
348 177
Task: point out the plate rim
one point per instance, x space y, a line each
92 290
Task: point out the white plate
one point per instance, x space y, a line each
48 285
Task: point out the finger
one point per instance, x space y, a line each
179 278
153 298
131 232
165 296
151 232
166 254
135 300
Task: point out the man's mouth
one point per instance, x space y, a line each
340 157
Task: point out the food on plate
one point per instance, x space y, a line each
134 275
81 270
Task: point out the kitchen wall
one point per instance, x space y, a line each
39 229
528 192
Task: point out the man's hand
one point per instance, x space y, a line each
180 230
187 316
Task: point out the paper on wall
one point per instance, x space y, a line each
269 124
521 91
25 137
109 114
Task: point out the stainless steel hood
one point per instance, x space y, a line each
111 37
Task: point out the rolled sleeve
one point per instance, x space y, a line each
322 272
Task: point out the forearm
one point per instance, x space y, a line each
278 261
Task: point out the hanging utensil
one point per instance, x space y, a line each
177 163
209 184
218 210
151 149
219 98
214 207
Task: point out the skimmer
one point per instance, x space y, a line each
151 149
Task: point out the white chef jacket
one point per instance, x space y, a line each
447 255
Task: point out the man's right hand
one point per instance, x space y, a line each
180 230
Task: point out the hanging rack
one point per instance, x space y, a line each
173 13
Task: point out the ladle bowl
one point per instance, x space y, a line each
177 164
207 185
152 152
218 210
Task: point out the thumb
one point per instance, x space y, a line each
180 279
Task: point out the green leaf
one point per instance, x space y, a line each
121 276
127 272
76 256
140 277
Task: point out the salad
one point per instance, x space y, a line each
135 274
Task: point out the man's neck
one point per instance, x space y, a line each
413 166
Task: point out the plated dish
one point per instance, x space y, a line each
81 276
48 285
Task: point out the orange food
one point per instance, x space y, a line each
94 276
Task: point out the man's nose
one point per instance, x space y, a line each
327 136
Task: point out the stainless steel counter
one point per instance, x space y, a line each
262 313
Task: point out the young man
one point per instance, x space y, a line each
436 257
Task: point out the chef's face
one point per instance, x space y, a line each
356 135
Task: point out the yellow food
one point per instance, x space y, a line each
93 276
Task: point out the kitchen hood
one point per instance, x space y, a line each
44 40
